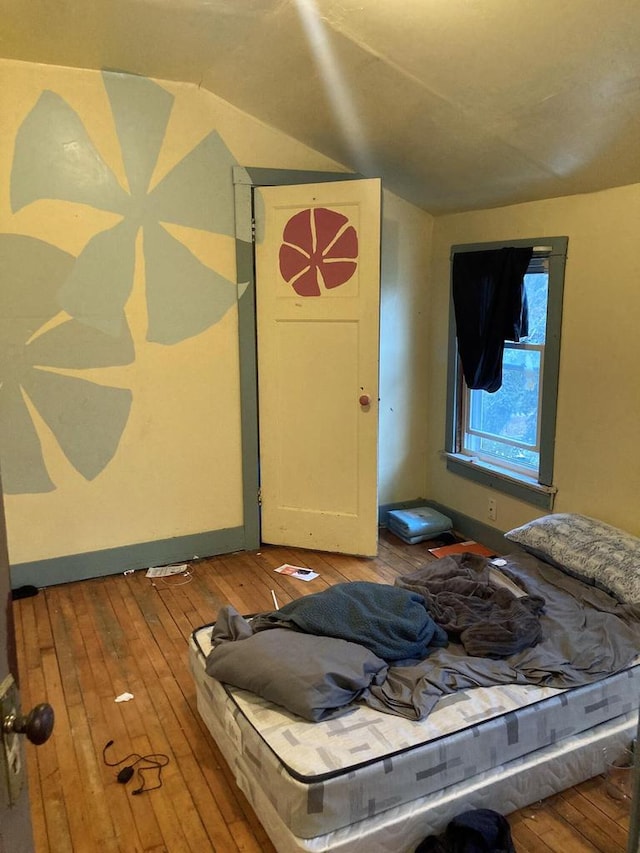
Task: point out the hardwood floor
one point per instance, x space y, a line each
81 645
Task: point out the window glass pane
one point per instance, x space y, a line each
516 458
537 289
506 424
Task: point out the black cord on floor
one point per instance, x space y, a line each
153 761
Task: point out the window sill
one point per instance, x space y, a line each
510 482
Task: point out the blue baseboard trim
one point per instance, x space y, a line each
113 561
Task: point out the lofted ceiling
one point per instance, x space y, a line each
456 104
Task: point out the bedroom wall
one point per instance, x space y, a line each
404 350
119 409
597 471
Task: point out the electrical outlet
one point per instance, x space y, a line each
492 509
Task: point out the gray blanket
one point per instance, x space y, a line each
586 635
461 595
317 678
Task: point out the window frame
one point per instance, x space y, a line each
540 491
466 410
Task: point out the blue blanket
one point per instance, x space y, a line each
421 521
391 622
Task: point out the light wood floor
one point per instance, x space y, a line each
80 645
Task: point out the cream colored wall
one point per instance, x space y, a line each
177 468
597 469
404 350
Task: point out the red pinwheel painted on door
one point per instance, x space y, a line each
319 251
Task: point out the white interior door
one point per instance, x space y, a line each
318 298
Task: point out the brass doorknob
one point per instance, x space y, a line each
37 725
365 400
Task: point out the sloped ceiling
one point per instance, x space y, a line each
456 104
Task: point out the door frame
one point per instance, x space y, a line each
245 180
16 832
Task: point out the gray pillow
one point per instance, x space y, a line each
314 677
591 550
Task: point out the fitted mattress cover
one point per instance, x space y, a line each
319 777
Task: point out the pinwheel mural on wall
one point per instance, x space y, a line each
56 159
319 251
37 342
60 312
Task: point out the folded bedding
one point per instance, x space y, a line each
419 521
418 524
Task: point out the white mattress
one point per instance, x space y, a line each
344 777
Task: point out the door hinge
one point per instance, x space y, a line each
259 497
253 227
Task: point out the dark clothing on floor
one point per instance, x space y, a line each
478 831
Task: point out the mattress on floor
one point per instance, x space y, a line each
522 782
319 777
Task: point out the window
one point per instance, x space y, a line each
505 439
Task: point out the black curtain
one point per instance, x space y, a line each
490 308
